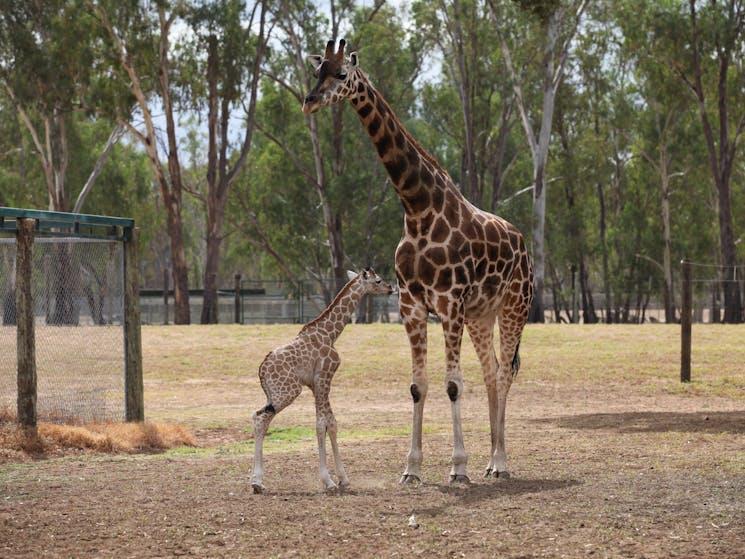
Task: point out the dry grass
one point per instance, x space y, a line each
50 439
206 376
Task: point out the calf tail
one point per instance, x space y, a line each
269 408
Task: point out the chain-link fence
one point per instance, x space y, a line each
78 288
268 302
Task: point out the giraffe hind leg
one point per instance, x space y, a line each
482 336
261 420
510 332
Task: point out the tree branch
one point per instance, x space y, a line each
116 134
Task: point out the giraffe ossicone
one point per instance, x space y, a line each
466 266
311 360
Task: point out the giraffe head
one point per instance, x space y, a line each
337 75
370 282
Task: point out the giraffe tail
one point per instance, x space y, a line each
516 361
269 408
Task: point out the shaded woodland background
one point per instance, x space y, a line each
610 133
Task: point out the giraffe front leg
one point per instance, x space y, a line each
325 421
321 428
340 472
453 330
415 322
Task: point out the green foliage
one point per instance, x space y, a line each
622 101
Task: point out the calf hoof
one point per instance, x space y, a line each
258 488
501 475
410 478
460 478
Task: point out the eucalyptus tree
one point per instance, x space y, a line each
136 53
225 82
298 23
715 47
701 43
669 41
471 103
46 71
551 28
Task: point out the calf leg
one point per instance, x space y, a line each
261 420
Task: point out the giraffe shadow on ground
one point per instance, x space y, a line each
655 422
477 492
513 487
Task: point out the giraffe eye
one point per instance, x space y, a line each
341 76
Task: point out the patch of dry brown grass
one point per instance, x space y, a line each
49 438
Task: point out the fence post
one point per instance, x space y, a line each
134 391
237 304
685 322
25 336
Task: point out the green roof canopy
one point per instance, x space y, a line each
63 224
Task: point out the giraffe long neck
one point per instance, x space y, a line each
419 179
336 316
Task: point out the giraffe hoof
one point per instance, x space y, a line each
410 478
501 475
258 488
460 478
488 472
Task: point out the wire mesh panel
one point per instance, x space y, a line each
78 292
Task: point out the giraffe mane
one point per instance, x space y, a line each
417 146
342 292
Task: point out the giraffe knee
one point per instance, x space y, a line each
266 410
453 391
264 414
415 394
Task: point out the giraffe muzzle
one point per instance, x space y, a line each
310 105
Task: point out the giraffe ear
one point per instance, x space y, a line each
353 59
315 60
351 275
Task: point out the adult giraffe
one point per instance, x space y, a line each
466 266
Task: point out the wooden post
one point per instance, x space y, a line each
685 322
165 296
238 298
134 391
25 336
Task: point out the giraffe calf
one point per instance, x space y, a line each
311 360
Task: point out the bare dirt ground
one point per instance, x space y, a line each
632 468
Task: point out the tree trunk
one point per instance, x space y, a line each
209 281
604 250
210 297
170 184
181 310
667 290
588 304
220 175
